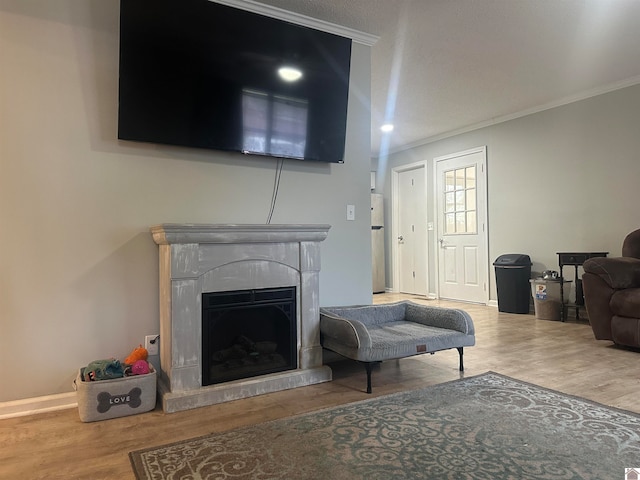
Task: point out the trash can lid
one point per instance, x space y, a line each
513 260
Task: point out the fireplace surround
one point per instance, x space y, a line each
198 259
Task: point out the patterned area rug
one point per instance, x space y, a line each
488 427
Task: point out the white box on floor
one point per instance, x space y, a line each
119 397
546 297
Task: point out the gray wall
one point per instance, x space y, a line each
78 267
565 179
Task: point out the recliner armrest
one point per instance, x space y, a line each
617 272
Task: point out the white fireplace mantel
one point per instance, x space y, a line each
197 259
177 233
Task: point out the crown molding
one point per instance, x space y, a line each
629 82
298 19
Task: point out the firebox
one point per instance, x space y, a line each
247 333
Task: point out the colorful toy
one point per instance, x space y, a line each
140 367
138 353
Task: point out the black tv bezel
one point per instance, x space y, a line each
338 120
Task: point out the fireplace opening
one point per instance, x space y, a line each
246 333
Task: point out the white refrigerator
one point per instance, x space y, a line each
377 242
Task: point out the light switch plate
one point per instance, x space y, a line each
351 212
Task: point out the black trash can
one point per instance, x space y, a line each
513 272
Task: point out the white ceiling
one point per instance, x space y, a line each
444 66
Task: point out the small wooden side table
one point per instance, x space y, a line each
576 259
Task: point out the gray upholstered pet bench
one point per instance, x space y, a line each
373 333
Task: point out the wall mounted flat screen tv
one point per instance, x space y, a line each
201 74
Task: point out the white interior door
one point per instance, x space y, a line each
461 205
412 232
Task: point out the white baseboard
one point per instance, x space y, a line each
31 406
492 303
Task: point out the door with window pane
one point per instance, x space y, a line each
461 230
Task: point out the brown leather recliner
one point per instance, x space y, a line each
612 294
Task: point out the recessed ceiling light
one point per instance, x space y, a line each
387 127
289 74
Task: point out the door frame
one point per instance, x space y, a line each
395 215
438 227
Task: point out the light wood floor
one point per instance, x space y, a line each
561 356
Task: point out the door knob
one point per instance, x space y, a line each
400 238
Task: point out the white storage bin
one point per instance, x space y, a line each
546 297
118 397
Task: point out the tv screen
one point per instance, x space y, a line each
202 74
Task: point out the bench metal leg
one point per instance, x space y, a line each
368 366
